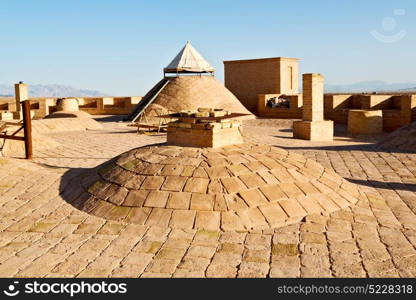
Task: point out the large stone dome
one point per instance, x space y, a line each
192 92
238 187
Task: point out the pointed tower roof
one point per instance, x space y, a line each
188 60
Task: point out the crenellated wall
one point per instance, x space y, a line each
92 105
397 110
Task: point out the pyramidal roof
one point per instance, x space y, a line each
189 60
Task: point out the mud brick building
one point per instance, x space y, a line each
246 79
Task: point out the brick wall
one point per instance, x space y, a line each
248 78
293 112
211 135
398 110
92 105
313 97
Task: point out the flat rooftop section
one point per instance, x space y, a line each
34 213
239 61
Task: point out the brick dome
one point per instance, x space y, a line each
402 139
238 187
192 92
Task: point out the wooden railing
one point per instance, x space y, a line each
27 130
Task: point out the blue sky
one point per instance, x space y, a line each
120 47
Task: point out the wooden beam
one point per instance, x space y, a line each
14 123
11 137
17 131
27 127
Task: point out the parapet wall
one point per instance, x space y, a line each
92 105
398 110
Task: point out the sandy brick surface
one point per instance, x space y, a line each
42 235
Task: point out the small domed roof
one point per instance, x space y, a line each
402 139
192 92
239 187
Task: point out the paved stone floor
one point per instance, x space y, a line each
43 236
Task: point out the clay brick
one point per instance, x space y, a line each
268 177
256 166
196 185
208 220
237 158
153 182
200 173
179 200
217 172
136 198
271 164
220 203
252 180
98 187
252 218
313 238
138 215
310 204
101 209
291 190
150 170
235 202
292 207
215 186
187 170
347 196
273 193
329 182
321 187
282 175
341 202
118 213
232 184
326 202
173 183
298 177
253 198
274 213
365 121
134 182
230 221
306 187
159 217
239 169
118 197
202 201
172 170
314 130
157 199
182 219
314 166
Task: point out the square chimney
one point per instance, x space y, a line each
206 127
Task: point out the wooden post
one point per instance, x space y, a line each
27 127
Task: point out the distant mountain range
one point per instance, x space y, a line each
371 86
50 90
58 90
